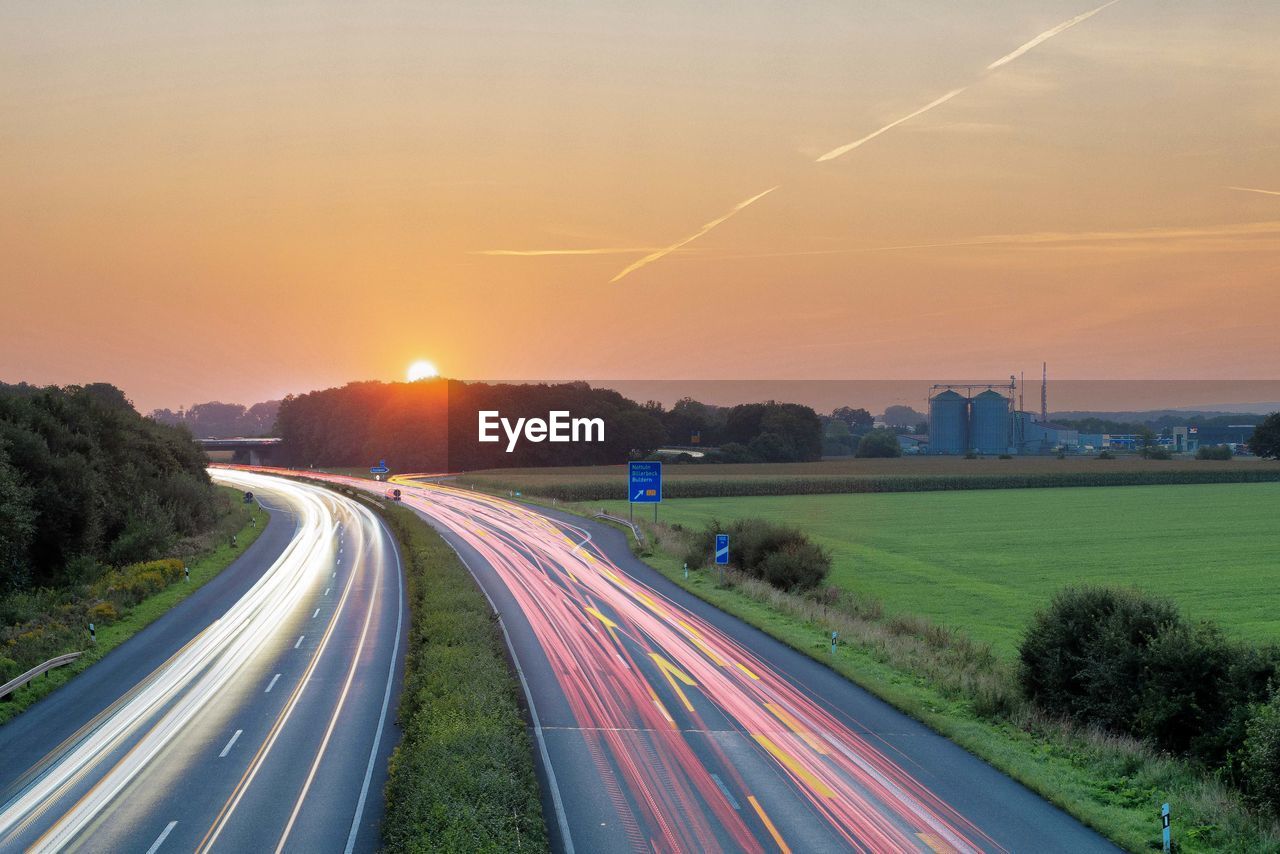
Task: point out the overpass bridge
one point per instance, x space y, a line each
254 452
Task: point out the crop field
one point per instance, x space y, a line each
985 560
904 474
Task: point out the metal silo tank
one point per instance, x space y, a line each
948 423
989 423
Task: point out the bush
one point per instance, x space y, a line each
1262 754
1132 664
1214 452
795 566
879 443
103 613
782 556
1106 455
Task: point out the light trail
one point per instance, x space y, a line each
648 683
97 764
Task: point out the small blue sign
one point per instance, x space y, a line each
722 548
644 483
380 468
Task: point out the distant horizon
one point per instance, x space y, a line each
1065 395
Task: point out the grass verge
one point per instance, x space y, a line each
967 693
462 778
206 556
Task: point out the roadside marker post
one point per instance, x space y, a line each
834 635
93 634
186 572
686 571
1164 820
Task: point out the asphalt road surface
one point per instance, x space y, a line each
662 723
257 715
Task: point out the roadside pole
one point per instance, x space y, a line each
1164 820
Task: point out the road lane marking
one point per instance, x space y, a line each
386 696
224 815
673 673
316 614
936 843
796 727
164 834
299 643
793 765
773 831
337 710
326 590
274 680
733 802
230 744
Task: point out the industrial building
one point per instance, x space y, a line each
982 418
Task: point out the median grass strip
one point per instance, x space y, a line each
462 778
48 623
967 692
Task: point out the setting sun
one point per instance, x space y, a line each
421 370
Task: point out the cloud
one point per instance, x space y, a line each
1046 35
1256 190
1049 238
654 256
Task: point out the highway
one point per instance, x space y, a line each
256 715
661 723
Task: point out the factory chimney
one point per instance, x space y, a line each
1044 393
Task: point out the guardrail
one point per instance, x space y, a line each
39 670
635 529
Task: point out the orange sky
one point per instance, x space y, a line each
217 201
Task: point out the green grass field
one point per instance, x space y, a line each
985 560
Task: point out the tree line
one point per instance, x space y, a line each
432 425
215 420
85 481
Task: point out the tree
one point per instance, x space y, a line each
857 420
879 443
902 416
1265 441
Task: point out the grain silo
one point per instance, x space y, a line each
948 423
989 423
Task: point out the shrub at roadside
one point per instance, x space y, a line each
1262 754
462 778
1131 664
782 556
1214 452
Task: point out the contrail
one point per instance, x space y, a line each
654 256
1046 35
604 251
845 149
1256 190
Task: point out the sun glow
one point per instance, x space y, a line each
421 370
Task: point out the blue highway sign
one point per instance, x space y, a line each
722 548
380 468
644 483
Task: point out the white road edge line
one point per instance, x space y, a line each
561 819
164 834
230 744
386 697
299 643
274 680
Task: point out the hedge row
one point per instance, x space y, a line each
462 778
682 487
